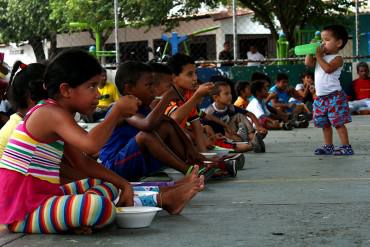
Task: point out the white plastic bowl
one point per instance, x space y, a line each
135 217
209 155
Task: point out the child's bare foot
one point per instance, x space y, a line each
4 229
187 179
83 230
173 201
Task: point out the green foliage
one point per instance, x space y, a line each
26 20
94 13
165 12
292 14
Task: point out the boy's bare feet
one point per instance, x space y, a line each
173 201
187 179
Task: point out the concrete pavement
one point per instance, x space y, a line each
285 197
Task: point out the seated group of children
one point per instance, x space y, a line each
50 179
273 107
49 173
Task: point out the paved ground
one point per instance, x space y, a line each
286 197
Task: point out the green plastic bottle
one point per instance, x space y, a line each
309 49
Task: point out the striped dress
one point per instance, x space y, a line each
29 172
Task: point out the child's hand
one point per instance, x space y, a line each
320 51
262 130
204 89
128 105
126 197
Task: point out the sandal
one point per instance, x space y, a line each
287 126
326 149
344 150
257 143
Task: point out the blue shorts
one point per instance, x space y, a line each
132 164
331 110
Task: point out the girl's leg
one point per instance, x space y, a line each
91 186
63 213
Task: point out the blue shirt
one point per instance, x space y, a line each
120 137
282 96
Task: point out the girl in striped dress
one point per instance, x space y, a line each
31 197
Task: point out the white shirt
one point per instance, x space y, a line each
256 108
5 106
254 56
326 83
299 86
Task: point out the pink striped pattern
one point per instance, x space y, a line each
28 156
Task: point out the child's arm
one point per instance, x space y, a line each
50 123
183 111
310 61
334 64
154 118
212 118
198 134
92 169
277 104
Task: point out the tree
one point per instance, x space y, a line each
98 15
292 15
27 20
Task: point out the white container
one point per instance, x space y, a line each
135 217
209 155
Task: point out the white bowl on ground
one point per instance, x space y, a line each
209 155
135 217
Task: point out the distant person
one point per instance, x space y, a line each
306 89
242 89
108 95
226 54
258 107
361 87
5 108
253 54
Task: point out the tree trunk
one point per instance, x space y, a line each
38 48
53 45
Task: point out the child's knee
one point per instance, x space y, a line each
99 212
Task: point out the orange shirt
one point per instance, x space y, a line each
240 102
174 105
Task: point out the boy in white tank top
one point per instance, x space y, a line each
330 108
